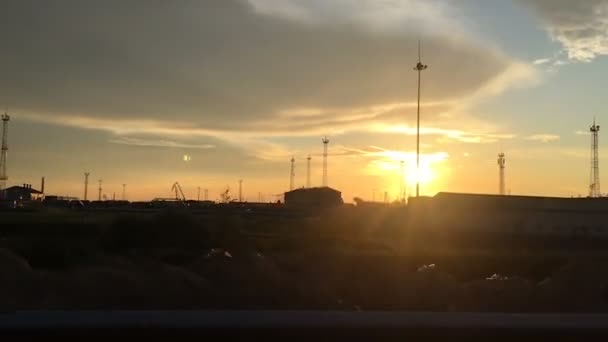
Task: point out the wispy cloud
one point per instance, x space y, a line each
371 14
158 143
541 61
516 75
445 135
545 138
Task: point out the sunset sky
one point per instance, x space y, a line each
124 89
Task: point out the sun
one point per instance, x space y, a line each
390 164
425 175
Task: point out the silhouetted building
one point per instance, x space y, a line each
24 192
314 197
531 215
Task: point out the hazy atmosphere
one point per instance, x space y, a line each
239 87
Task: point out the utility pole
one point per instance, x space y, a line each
419 67
241 199
206 194
292 173
308 171
86 185
99 195
402 182
198 194
124 192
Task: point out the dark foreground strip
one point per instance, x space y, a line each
300 325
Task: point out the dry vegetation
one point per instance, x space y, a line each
347 260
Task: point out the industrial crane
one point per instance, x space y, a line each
179 194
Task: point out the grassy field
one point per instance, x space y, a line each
342 259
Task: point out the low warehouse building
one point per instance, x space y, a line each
530 215
314 197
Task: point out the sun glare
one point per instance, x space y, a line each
389 163
426 175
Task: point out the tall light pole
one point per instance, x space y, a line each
402 181
419 67
292 173
86 185
308 171
240 190
325 141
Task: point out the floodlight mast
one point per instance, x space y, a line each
419 68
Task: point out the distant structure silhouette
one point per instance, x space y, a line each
240 190
501 174
198 194
99 189
402 182
179 193
3 175
124 192
42 185
86 185
419 67
292 173
206 192
594 181
308 171
325 141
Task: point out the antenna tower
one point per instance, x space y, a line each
501 174
325 141
594 184
292 173
86 185
308 171
419 67
3 175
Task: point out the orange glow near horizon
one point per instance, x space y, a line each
387 164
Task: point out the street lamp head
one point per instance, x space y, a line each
420 67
